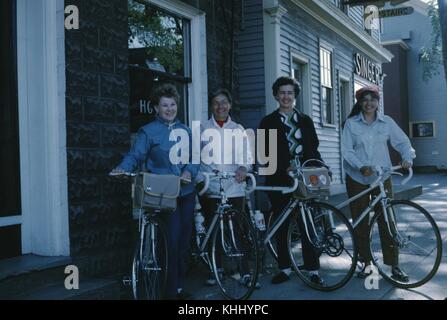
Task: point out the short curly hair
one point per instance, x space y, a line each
220 91
283 81
165 90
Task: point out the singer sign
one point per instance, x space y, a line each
367 69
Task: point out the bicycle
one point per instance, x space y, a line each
413 232
234 247
150 261
322 228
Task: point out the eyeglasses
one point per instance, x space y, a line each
223 104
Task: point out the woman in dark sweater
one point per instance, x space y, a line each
296 140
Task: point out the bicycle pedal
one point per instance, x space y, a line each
152 269
127 281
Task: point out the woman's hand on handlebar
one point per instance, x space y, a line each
119 173
367 171
186 177
406 164
241 174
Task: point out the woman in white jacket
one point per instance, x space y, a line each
225 147
365 145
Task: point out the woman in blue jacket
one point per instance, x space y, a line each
152 148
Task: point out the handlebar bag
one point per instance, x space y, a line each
156 191
314 182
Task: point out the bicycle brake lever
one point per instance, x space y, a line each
397 174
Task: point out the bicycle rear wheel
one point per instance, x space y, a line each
415 245
149 270
235 256
333 252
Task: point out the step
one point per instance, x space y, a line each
21 274
89 289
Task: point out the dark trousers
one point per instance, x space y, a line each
209 206
179 229
311 261
361 232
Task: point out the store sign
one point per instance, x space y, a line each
396 12
379 3
367 69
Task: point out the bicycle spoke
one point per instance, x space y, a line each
235 256
333 246
416 244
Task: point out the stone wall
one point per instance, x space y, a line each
97 136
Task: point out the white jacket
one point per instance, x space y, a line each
229 156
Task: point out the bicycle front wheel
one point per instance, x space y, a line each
413 242
235 255
149 270
328 248
271 244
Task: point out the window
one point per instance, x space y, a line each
298 74
10 198
327 103
342 6
344 99
159 51
422 129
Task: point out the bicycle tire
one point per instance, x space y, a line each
149 269
228 273
418 232
336 252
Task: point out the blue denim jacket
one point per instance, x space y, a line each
152 147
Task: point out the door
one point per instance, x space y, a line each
10 198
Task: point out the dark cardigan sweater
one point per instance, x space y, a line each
310 145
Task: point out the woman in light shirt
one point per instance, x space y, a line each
364 146
240 162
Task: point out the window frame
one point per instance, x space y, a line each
433 124
197 89
306 86
328 47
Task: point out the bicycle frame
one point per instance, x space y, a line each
145 219
382 198
222 208
285 213
292 205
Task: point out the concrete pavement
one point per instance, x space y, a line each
434 199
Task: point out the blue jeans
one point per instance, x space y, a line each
179 229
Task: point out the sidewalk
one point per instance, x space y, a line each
434 199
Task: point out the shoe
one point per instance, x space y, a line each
363 274
315 278
246 281
211 281
184 295
280 277
399 275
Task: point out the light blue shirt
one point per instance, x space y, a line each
364 144
152 147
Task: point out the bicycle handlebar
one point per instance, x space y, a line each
225 175
134 174
284 190
410 174
123 173
381 171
